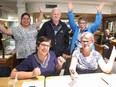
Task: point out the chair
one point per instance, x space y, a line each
66 66
99 48
5 71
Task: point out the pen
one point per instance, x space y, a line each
105 81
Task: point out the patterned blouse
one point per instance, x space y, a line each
25 40
87 63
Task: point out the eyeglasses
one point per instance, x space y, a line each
44 45
85 41
82 23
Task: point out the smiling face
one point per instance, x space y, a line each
86 43
82 23
25 20
43 45
43 48
56 14
87 40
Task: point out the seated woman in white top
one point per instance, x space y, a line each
87 60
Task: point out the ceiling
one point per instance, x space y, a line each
10 6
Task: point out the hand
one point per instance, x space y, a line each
70 5
111 38
100 7
73 73
36 72
61 60
41 10
64 56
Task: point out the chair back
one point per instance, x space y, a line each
5 71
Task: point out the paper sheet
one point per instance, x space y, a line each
32 84
110 79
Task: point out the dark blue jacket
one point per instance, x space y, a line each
60 41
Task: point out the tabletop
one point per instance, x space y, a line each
83 80
39 79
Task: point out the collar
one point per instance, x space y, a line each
54 24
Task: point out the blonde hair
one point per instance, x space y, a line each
88 35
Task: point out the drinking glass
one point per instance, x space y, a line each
12 82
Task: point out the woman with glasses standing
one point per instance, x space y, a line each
82 25
87 60
42 62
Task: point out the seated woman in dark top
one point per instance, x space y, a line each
43 62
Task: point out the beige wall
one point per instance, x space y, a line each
78 8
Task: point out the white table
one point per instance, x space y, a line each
83 80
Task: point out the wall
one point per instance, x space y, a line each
78 8
3 15
113 8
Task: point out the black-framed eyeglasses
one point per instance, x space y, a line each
44 45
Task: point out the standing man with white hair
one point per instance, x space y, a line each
57 31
